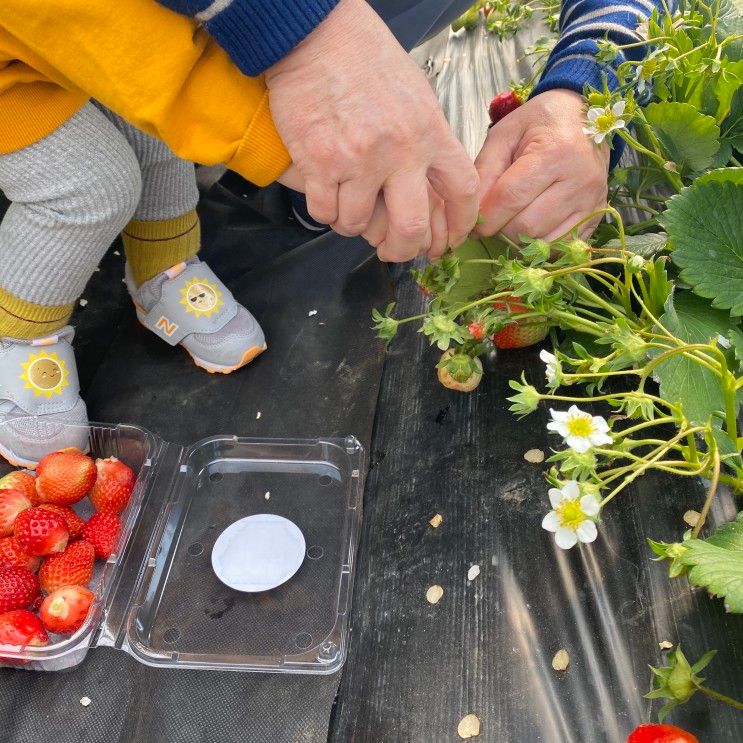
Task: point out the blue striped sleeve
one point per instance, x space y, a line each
573 62
255 33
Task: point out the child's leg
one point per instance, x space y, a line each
71 193
165 228
177 296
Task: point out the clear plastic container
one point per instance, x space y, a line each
157 597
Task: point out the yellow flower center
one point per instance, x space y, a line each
579 427
571 514
604 122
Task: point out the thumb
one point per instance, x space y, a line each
497 153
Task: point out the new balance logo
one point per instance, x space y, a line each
166 326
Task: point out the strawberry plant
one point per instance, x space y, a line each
644 318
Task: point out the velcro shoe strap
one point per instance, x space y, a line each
39 379
194 301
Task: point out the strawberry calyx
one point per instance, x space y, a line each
459 371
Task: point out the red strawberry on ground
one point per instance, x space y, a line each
652 733
65 477
19 589
23 628
101 531
23 481
519 333
73 567
113 487
12 555
64 610
74 522
12 502
503 104
41 532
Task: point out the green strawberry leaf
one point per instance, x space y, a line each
722 175
689 138
682 380
716 563
705 232
648 245
474 277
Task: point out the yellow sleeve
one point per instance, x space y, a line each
158 70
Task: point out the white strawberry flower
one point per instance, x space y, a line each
552 368
603 121
572 518
580 430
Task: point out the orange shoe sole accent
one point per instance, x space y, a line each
247 357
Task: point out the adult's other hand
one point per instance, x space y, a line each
358 117
539 173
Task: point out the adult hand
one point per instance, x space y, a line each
539 173
358 117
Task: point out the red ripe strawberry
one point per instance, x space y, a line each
74 522
519 333
41 532
65 610
476 330
503 104
12 502
73 567
19 589
660 734
101 531
64 477
113 487
22 628
23 481
12 555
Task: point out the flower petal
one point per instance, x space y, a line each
599 424
598 439
565 538
618 108
551 522
571 489
574 411
556 496
594 113
590 505
578 443
587 531
559 415
546 356
599 138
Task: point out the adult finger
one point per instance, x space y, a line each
376 230
496 154
356 202
543 216
409 229
439 227
524 182
456 180
322 199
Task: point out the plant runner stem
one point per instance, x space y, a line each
710 493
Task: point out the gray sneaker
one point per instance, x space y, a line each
188 305
40 405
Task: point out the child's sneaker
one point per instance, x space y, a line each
190 306
39 394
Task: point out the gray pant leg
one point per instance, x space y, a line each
168 183
72 192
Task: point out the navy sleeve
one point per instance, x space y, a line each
573 62
255 33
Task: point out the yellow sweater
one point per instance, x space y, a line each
158 70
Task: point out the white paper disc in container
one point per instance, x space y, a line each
258 553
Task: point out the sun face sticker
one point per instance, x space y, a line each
44 374
201 298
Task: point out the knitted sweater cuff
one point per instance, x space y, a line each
575 74
258 33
